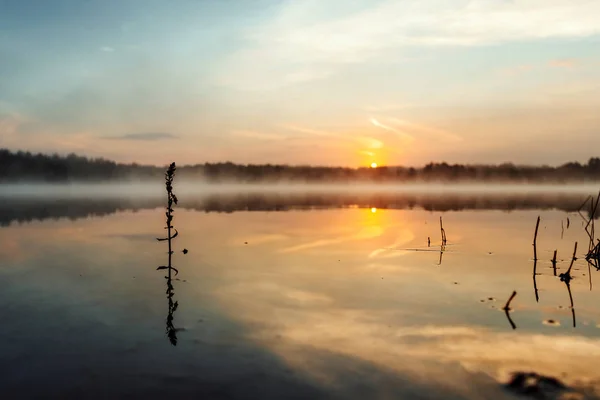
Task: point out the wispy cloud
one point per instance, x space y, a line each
369 232
149 136
388 107
378 124
416 128
370 142
107 49
564 63
296 44
257 135
367 141
311 131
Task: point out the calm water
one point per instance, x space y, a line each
295 296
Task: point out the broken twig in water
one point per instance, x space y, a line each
443 232
507 309
572 304
566 276
535 289
535 260
512 296
537 225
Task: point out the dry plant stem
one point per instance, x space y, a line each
443 232
590 275
537 225
572 304
554 262
507 309
512 296
589 227
535 289
572 259
510 321
171 331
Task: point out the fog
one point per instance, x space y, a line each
152 190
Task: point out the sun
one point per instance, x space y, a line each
373 165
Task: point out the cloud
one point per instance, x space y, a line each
365 233
295 45
564 63
424 129
148 136
378 124
107 49
310 131
370 142
257 135
388 107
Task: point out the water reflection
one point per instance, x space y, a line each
171 331
572 306
332 303
26 209
507 309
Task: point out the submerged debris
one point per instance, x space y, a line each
551 322
534 385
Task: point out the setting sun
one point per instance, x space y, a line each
374 165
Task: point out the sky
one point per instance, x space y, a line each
319 82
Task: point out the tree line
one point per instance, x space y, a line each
27 167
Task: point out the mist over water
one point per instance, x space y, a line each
22 203
133 190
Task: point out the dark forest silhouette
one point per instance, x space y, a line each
24 166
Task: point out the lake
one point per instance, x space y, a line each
299 294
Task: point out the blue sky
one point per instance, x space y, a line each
304 82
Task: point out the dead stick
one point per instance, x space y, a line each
512 296
537 225
554 262
572 259
443 232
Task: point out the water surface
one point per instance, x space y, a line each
295 295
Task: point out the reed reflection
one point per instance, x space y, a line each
170 330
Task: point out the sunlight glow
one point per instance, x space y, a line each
373 210
374 165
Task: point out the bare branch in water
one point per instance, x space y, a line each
507 309
566 276
443 232
537 225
